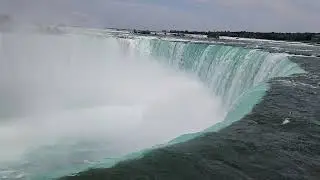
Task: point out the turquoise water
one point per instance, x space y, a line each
228 71
236 76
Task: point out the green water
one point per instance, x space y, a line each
237 76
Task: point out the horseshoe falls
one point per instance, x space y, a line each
86 99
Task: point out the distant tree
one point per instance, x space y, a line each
145 32
316 38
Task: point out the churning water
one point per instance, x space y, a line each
70 101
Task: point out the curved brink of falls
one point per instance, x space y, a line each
237 75
236 78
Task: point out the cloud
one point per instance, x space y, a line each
252 15
271 15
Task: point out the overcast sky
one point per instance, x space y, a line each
249 15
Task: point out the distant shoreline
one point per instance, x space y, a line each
313 38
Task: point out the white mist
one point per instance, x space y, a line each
58 91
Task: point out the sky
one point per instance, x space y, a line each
234 15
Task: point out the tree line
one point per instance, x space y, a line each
298 37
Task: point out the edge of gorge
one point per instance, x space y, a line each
279 139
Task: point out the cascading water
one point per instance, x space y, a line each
68 101
228 71
238 76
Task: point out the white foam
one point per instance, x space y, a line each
64 89
286 121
